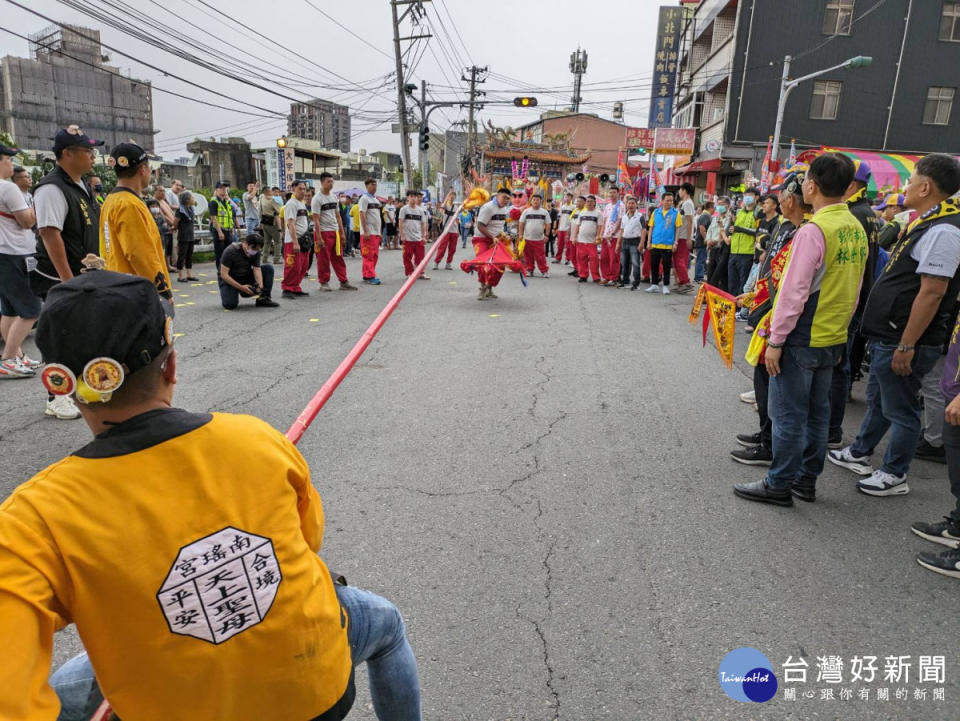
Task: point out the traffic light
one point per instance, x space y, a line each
525 102
618 111
424 138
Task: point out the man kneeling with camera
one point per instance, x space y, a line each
242 275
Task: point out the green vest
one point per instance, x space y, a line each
224 213
834 291
741 243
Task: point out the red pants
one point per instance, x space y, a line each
328 256
535 251
370 251
412 255
563 237
588 260
609 260
681 261
447 243
294 267
645 270
487 275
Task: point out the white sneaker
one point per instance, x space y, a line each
845 459
62 408
449 266
666 290
544 275
436 266
15 368
30 362
881 483
749 397
652 289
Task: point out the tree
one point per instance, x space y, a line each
7 139
417 179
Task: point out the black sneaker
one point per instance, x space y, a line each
266 303
759 491
947 563
835 440
755 456
300 292
928 452
289 295
804 492
748 440
583 280
573 273
946 532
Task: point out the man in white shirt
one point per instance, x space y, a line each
329 236
414 227
19 306
563 230
685 234
370 223
296 243
633 227
609 256
490 222
534 229
587 236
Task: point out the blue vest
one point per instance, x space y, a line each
664 229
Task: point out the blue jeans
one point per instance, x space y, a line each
738 271
700 268
799 408
893 402
230 296
630 260
376 633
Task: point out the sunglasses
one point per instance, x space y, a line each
74 130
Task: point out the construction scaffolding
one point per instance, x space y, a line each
66 81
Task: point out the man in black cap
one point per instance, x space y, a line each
243 276
129 239
184 546
68 220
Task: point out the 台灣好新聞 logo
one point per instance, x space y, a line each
746 675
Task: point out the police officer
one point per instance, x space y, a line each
182 545
222 220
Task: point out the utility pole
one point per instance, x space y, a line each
401 98
471 124
578 66
401 83
421 153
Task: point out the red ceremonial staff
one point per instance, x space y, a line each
478 196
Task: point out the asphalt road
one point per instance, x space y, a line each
542 485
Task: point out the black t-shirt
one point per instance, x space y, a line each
239 264
700 240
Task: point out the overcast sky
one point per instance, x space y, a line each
309 55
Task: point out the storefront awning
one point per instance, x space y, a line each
701 166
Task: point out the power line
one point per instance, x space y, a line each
344 27
456 30
141 82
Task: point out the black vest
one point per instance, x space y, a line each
863 212
891 299
81 227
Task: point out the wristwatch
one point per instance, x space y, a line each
905 348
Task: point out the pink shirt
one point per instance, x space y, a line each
806 258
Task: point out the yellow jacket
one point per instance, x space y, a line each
184 548
130 241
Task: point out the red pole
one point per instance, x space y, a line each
299 427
